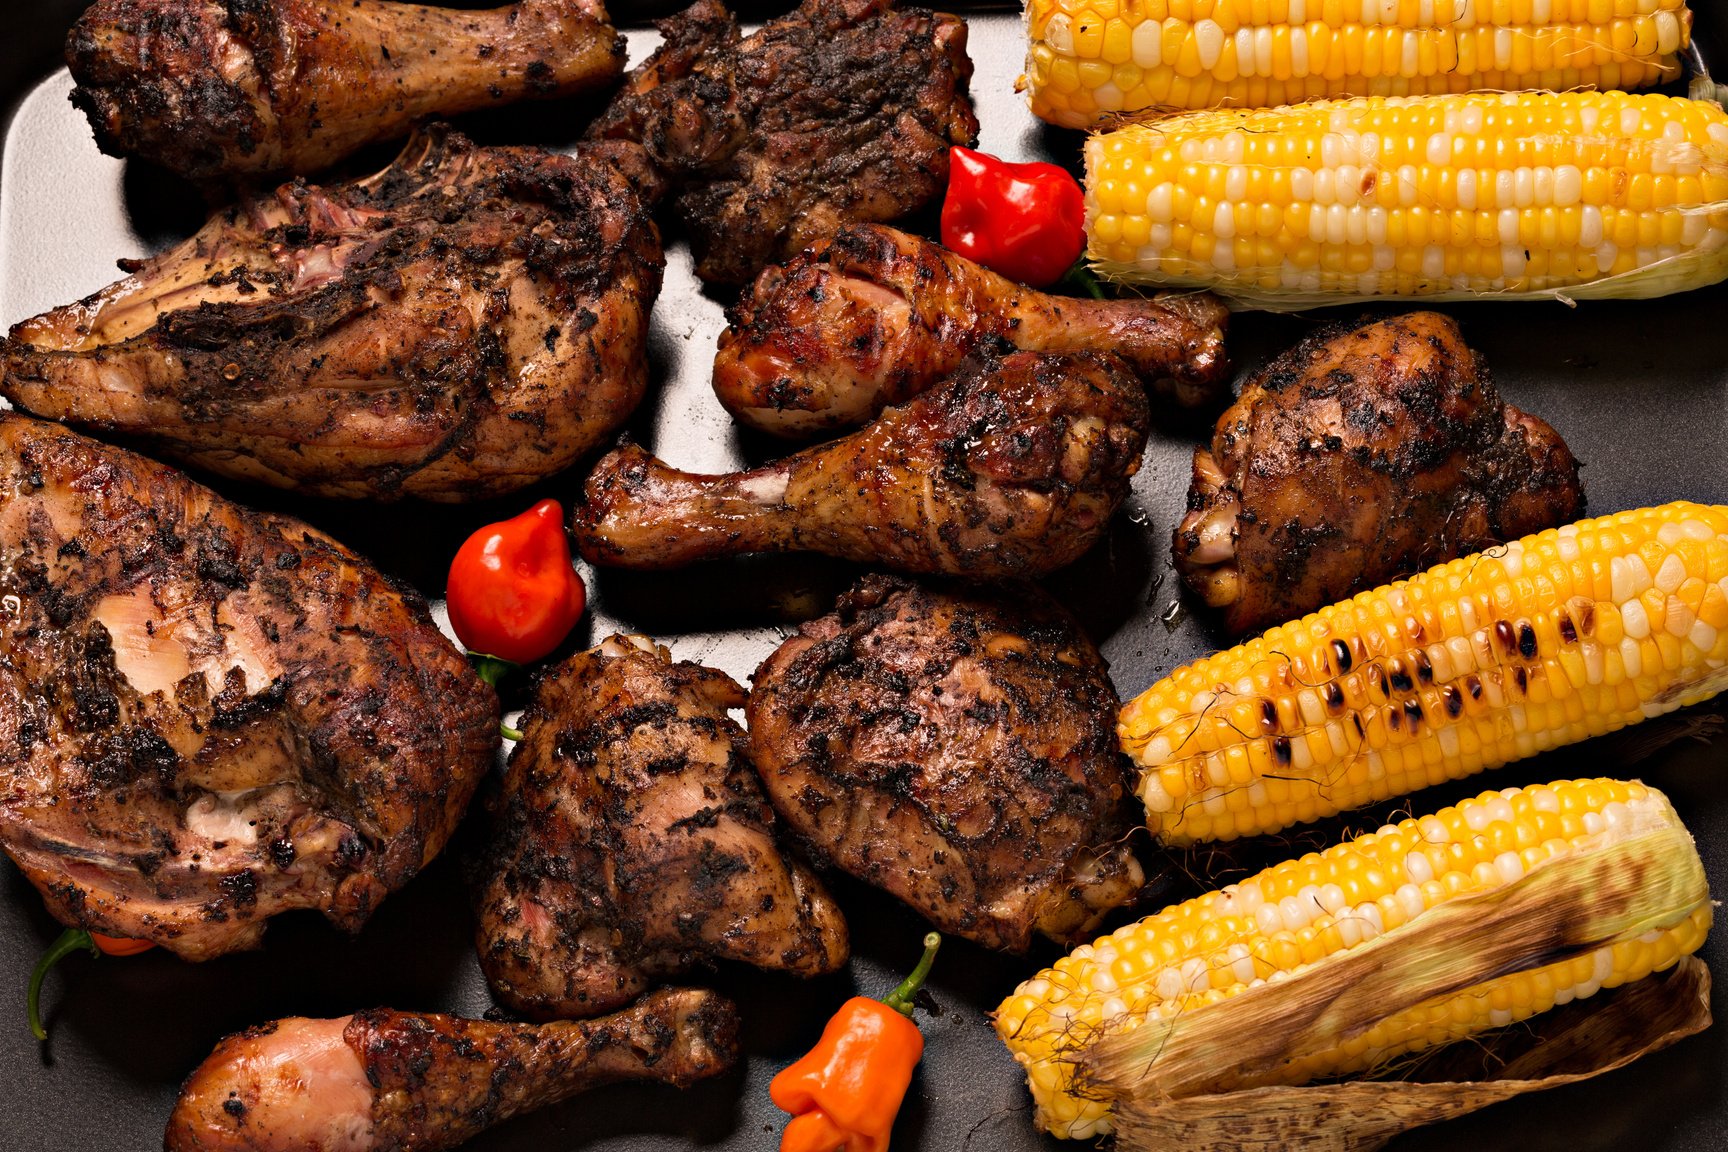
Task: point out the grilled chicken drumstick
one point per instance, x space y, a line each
463 323
633 841
873 316
1012 468
957 749
1360 456
210 715
386 1081
841 110
223 88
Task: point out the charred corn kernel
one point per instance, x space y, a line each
1299 913
1145 53
1520 195
1526 670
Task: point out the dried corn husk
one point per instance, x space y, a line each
1205 1071
1573 1043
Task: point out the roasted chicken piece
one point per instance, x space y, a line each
1361 455
633 841
958 749
842 110
210 715
873 316
211 89
387 1081
1012 468
457 326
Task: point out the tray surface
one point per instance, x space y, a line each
1639 390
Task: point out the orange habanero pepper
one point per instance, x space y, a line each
844 1095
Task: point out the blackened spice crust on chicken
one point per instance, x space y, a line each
461 324
841 111
212 89
210 715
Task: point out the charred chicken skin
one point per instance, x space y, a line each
841 111
212 89
209 715
386 1081
1362 455
873 316
1011 469
633 841
465 322
957 749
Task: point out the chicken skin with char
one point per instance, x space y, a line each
1362 455
217 89
958 749
457 326
873 316
633 842
1013 468
210 715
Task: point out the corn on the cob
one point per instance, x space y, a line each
1519 195
1567 634
1090 58
1292 917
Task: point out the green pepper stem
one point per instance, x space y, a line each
1083 278
492 669
509 732
901 998
69 942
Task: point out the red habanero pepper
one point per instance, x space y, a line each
844 1095
1026 221
513 593
70 941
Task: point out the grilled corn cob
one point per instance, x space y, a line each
1567 634
1089 58
1520 195
1292 918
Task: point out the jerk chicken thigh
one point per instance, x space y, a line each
1013 468
210 715
633 841
1361 455
873 316
840 111
211 89
386 1081
459 325
958 749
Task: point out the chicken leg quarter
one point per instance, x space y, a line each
1012 468
209 715
224 88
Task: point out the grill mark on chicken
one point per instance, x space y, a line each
956 748
843 110
632 842
389 1081
1011 469
213 89
1365 453
171 769
392 340
874 316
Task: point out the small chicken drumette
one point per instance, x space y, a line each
633 842
957 749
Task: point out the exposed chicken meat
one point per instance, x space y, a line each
1359 456
842 110
874 316
220 88
633 841
387 1081
957 749
208 715
1012 468
465 322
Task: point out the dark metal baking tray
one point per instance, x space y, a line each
1639 389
